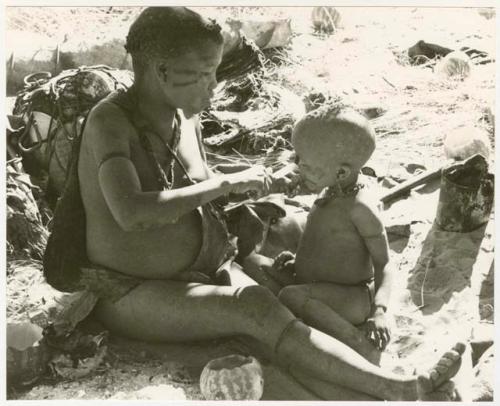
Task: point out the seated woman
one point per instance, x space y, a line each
150 218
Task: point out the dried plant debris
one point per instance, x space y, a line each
26 235
27 353
258 118
241 60
83 358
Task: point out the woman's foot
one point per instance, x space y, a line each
436 385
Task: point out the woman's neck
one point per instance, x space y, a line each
153 110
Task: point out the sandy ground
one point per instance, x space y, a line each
451 289
444 280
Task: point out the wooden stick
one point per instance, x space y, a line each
411 183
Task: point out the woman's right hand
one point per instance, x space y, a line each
255 180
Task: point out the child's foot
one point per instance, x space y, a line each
436 381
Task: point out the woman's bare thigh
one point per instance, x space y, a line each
176 311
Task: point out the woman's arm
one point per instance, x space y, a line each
110 134
134 209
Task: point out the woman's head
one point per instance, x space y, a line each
180 50
165 32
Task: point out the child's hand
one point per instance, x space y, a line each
377 327
282 269
283 260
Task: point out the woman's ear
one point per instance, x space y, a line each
343 172
161 71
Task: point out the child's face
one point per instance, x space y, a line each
318 169
191 78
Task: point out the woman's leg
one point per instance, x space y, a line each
176 311
169 311
327 390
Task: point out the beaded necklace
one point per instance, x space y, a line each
334 192
165 178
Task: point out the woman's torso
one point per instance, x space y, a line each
154 253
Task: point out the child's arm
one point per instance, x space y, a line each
370 227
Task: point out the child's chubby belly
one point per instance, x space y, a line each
331 250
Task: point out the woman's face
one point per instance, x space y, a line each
190 80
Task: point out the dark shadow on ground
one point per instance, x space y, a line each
486 294
444 266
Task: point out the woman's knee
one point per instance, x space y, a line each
259 303
256 297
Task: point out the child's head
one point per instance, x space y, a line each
332 145
176 50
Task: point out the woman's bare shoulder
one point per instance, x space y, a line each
106 111
108 118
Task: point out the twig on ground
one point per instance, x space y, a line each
387 81
422 302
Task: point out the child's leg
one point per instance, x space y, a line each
351 302
308 303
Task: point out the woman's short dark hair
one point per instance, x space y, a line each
166 32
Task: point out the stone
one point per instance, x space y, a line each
483 336
484 377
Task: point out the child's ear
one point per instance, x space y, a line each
343 172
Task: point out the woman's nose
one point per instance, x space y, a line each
212 82
212 85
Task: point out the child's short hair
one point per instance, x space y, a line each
168 31
341 129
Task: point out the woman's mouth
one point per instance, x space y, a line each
206 103
309 184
